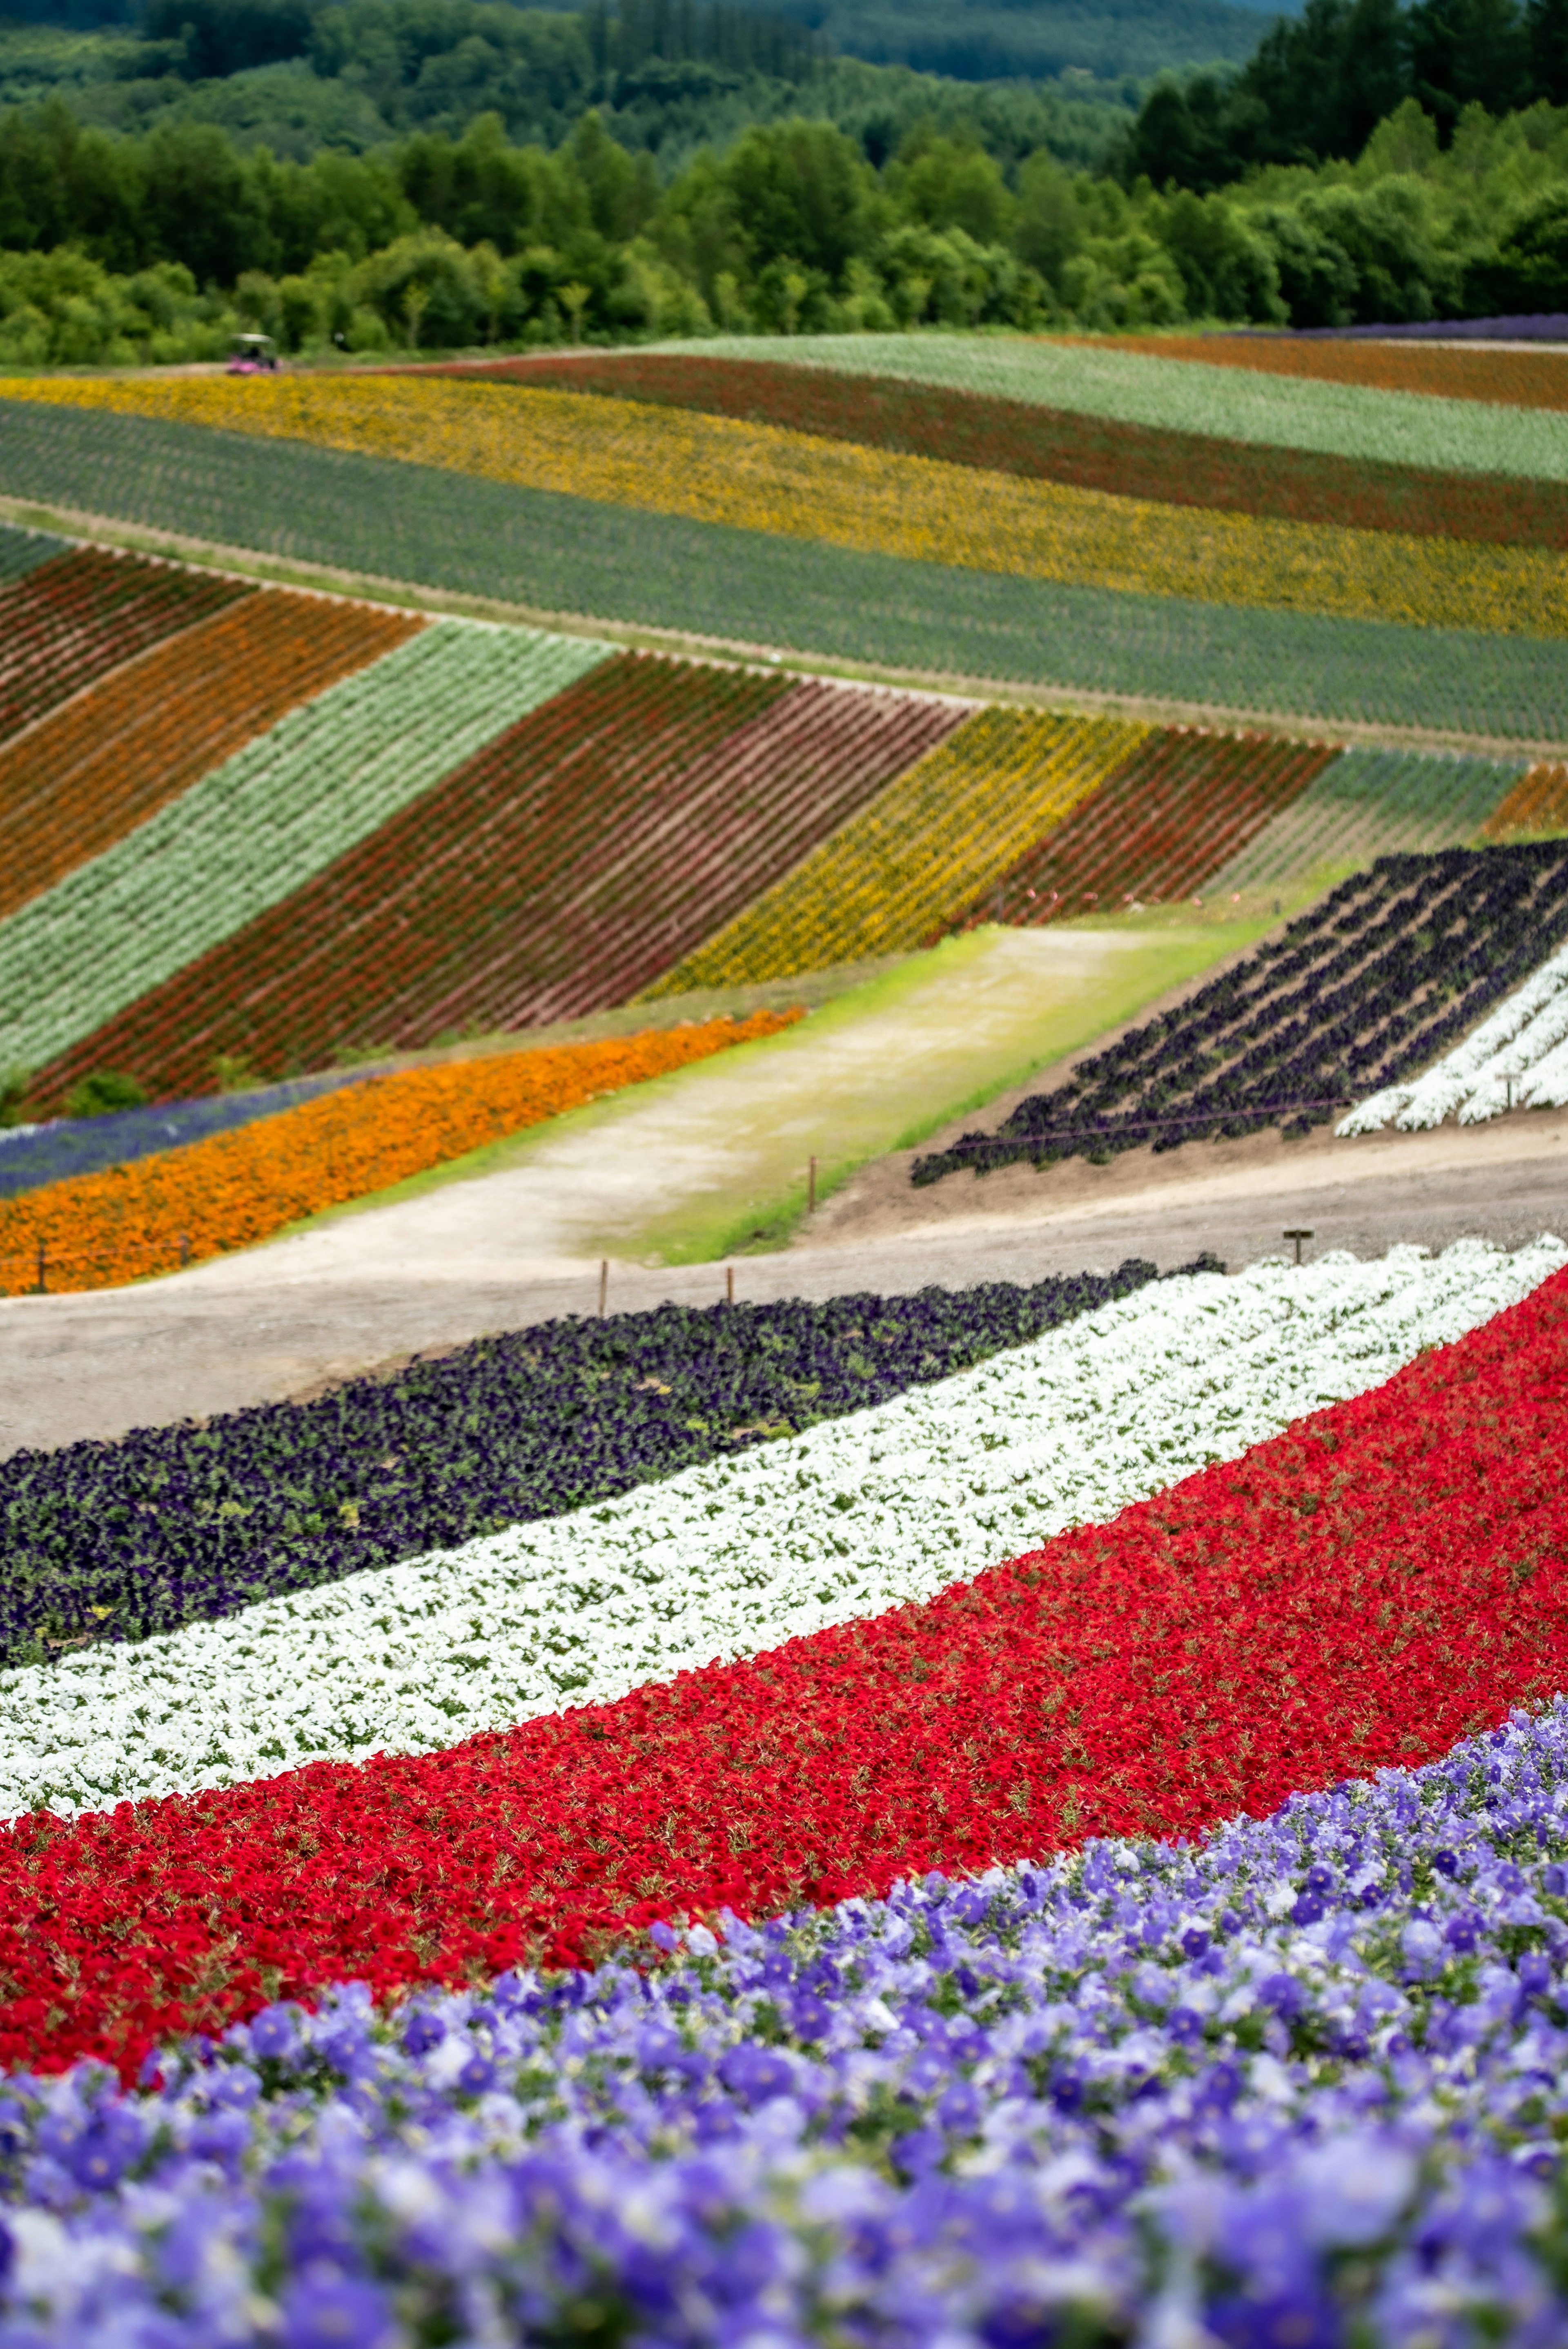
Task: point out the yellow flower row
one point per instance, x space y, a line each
922 852
765 478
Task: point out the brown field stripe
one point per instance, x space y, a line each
85 776
1004 436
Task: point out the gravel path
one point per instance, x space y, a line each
101 1363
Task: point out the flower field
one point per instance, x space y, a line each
256 826
68 621
83 778
616 821
907 865
1357 994
1370 804
905 1694
233 1188
1516 1055
1094 453
22 551
461 532
1508 378
763 478
1537 805
33 1154
1175 808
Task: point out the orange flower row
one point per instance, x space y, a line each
96 1231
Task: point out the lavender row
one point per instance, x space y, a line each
115 1541
35 1154
1305 2083
1363 991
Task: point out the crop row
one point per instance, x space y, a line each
86 776
474 536
1512 378
1517 1057
188 1524
32 1155
257 827
22 551
69 621
910 862
1228 402
1372 803
1091 453
235 1189
1381 977
1537 805
1174 809
556 872
766 479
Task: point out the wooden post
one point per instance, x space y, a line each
729 1284
604 1283
1297 1236
184 1250
811 1188
43 1268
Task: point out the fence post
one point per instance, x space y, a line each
184 1250
729 1284
811 1188
43 1270
604 1283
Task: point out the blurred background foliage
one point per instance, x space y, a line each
374 175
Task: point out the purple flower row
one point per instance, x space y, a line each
1305 2082
187 1523
1367 988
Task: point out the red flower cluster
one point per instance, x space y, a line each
1383 1579
77 617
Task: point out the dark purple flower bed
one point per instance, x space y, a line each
1363 991
1300 2085
33 1155
1539 328
182 1523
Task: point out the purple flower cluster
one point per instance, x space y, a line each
32 1155
1367 988
1302 2084
180 1524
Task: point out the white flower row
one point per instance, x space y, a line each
1522 1048
852 1517
1233 402
264 822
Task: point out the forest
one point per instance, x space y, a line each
1368 162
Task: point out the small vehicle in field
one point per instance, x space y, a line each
253 355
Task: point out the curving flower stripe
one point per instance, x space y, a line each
1382 1578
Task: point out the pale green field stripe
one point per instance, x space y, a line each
1402 428
1371 804
264 822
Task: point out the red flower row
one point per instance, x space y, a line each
1383 1579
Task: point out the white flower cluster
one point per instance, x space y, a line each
1522 1051
727 1559
264 821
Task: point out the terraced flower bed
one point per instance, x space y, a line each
1173 810
235 1189
254 828
556 870
1512 378
67 622
1091 453
904 867
1370 804
83 778
1359 994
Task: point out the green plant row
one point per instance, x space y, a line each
1372 803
